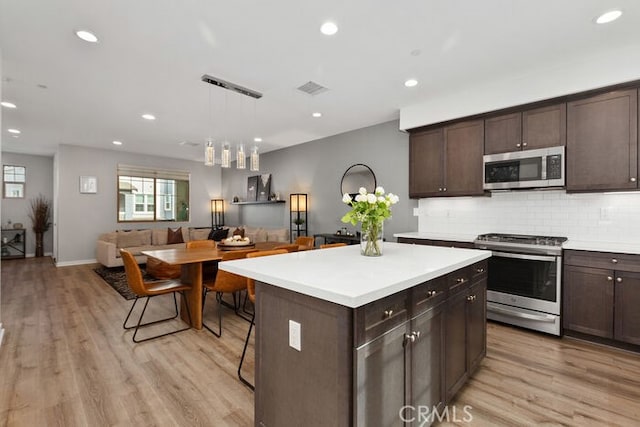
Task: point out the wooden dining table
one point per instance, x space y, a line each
190 262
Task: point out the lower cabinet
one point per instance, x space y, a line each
393 362
602 295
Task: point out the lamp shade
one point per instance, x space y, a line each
217 213
298 202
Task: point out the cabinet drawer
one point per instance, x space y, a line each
479 270
459 280
378 317
608 260
428 295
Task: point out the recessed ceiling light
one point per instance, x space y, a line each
148 116
607 17
87 36
14 131
411 83
329 28
117 142
257 139
8 104
317 114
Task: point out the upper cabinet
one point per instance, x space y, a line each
531 129
447 161
602 142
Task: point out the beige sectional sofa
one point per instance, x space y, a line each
109 244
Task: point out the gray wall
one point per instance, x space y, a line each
316 168
39 173
80 218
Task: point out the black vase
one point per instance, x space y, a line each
39 245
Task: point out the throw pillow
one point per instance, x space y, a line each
238 232
128 239
199 233
159 236
217 235
174 236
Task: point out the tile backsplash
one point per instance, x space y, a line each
599 217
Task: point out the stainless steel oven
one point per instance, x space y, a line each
524 282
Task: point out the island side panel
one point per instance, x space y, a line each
308 387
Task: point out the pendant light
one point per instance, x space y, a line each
226 155
255 159
209 150
209 153
241 158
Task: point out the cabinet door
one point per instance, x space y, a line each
544 127
426 163
602 142
588 300
476 324
427 359
464 145
381 382
455 344
503 134
627 311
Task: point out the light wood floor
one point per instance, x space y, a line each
66 361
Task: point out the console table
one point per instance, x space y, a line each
337 238
13 243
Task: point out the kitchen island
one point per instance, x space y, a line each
344 339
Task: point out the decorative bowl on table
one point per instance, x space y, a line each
235 242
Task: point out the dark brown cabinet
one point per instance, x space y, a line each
465 343
447 161
602 142
362 366
531 129
602 295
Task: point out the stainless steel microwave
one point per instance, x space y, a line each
543 167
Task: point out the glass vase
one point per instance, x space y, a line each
371 238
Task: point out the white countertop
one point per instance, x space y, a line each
343 276
469 238
623 248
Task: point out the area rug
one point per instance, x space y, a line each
117 279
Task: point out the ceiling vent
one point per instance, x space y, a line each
230 86
312 88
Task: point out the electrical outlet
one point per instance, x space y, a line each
295 338
416 211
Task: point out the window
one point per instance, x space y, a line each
152 195
14 179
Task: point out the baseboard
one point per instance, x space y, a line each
32 255
78 262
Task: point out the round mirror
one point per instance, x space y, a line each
357 176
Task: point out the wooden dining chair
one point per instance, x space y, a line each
192 244
150 289
332 245
225 283
305 242
251 291
289 248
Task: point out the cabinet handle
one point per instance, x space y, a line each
633 179
479 270
619 279
609 278
388 314
460 280
524 144
444 189
409 337
518 145
432 294
440 189
471 298
416 334
615 261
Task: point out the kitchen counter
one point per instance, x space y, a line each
467 238
343 276
623 248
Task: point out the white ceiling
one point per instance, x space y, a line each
152 54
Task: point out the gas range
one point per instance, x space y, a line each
547 245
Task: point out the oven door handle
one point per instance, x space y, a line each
523 256
513 313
